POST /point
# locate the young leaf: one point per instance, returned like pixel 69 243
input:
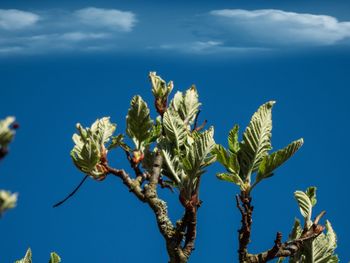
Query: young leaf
pixel 54 258
pixel 90 147
pixel 233 142
pixel 230 177
pixel 229 161
pixel 103 129
pixel 222 156
pixel 8 200
pixel 256 140
pixel 322 248
pixel 296 231
pixel 174 128
pixel 305 204
pixel 311 193
pixel 276 159
pixel 27 258
pixel 118 141
pixel 173 166
pixel 187 105
pixel 138 122
pixel 159 88
pixel 6 133
pixel 200 150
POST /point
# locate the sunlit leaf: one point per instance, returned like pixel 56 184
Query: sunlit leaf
pixel 256 140
pixel 276 159
pixel 138 122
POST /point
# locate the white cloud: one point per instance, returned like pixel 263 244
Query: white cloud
pixel 208 47
pixel 112 19
pixel 91 29
pixel 81 36
pixel 13 19
pixel 269 27
pixel 192 47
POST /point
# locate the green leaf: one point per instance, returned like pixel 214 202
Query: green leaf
pixel 159 88
pixel 54 258
pixel 200 150
pixel 173 165
pixel 90 147
pixel 230 177
pixel 276 159
pixel 138 122
pixel 322 248
pixel 256 140
pixel 296 231
pixel 174 128
pixel 6 132
pixel 305 204
pixel 118 141
pixel 233 142
pixel 229 161
pixel 187 105
pixel 27 258
pixel 103 129
pixel 222 156
pixel 311 193
pixel 8 201
pixel 155 133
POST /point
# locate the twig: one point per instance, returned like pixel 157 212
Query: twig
pixel 196 120
pixel 288 248
pixel 133 185
pixel 72 193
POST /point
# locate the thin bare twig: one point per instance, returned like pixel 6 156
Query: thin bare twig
pixel 73 192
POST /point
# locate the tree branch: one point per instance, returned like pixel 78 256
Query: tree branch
pixel 133 185
pixel 246 210
pixel 286 249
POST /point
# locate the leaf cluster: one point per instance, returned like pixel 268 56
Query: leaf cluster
pixel 320 249
pixel 90 147
pixel 251 155
pixel 54 258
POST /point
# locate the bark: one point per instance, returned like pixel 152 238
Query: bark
pixel 286 249
pixel 185 229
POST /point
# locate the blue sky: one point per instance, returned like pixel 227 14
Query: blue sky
pixel 63 63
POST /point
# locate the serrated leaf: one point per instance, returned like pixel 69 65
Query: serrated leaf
pixel 103 129
pixel 155 133
pixel 54 258
pixel 233 142
pixel 229 161
pixel 222 156
pixel 321 249
pixel 138 122
pixel 187 105
pixel 276 159
pixel 305 204
pixel 90 147
pixel 311 193
pixel 256 140
pixel 27 258
pixel 174 128
pixel 173 166
pixel 230 177
pixel 201 149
